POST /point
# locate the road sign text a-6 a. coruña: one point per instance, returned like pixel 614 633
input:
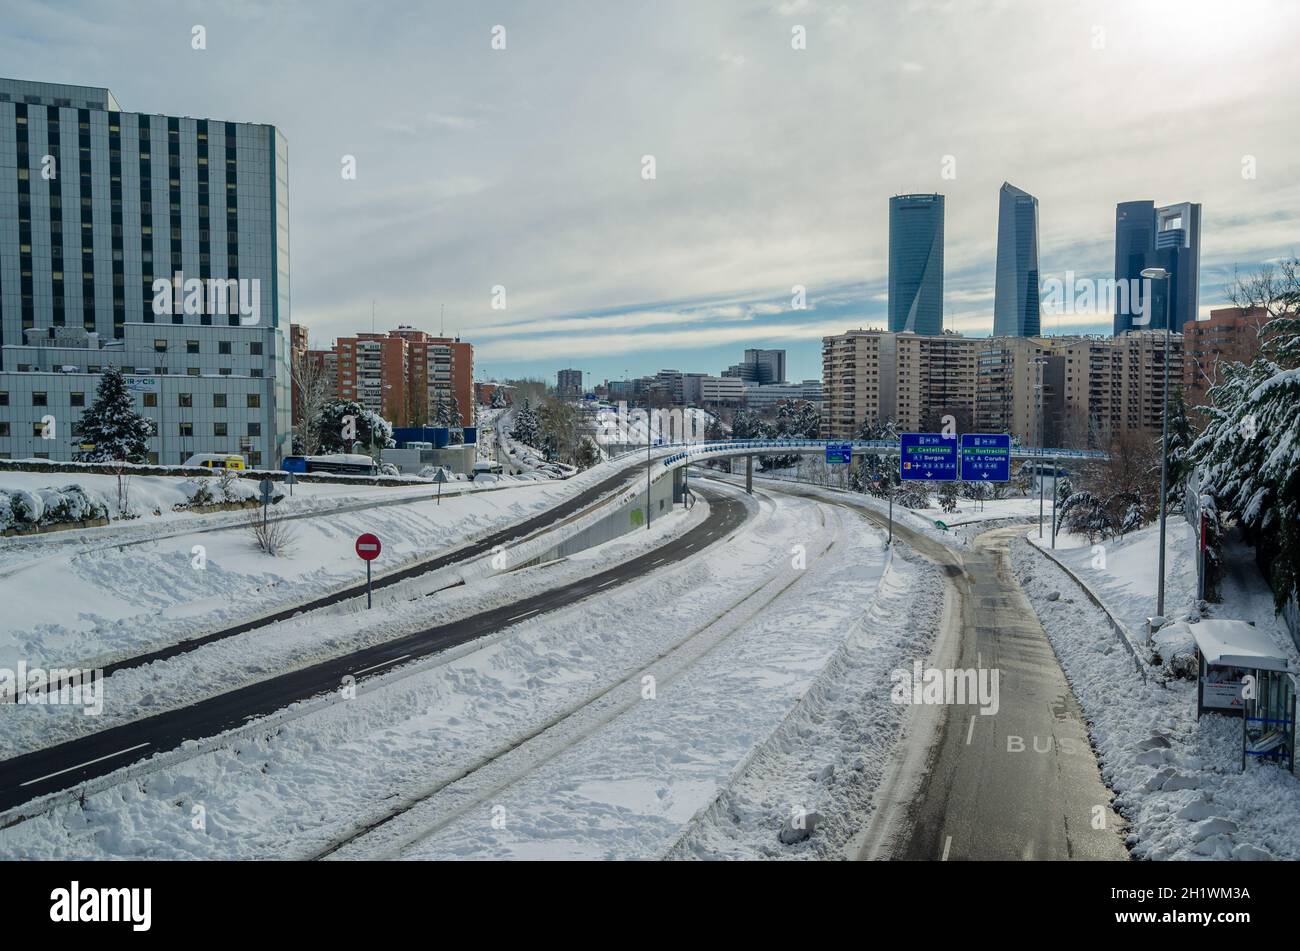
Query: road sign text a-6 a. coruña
pixel 986 457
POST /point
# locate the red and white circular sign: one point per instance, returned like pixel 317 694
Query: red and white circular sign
pixel 368 546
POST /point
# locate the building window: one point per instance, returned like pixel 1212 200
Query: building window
pixel 184 399
pixel 219 429
pixel 38 429
pixel 76 399
pixel 150 399
pixel 255 348
pixel 4 429
pixel 219 400
pixel 254 429
pixel 4 397
pixel 192 371
pixel 191 346
pixel 223 346
pixel 254 400
pixel 39 399
pixel 160 346
pixel 187 429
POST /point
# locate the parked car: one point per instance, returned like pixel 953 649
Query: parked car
pixel 217 460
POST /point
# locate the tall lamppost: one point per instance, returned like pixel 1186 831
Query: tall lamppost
pixel 1160 274
pixel 1041 363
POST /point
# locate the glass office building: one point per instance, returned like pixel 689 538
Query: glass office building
pixel 1016 294
pixel 1167 237
pixel 916 263
pixel 155 244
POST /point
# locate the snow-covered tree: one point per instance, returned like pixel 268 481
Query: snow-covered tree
pixel 1249 453
pixel 372 431
pixel 527 428
pixel 498 398
pixel 948 496
pixel 111 426
pixel 1181 436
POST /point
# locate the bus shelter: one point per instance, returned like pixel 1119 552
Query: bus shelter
pixel 1242 673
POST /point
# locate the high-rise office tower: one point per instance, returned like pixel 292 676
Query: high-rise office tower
pixel 916 263
pixel 1016 298
pixel 1167 237
pixel 155 244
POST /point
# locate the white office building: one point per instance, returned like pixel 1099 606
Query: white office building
pixel 156 244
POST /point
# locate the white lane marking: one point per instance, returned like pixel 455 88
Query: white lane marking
pixel 606 583
pixel 525 614
pixel 655 562
pixel 384 664
pixel 971 731
pixel 100 759
pixel 946 846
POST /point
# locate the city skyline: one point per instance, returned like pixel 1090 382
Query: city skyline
pixel 467 179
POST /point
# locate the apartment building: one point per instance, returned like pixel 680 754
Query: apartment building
pixel 1230 333
pixel 155 244
pixel 1045 391
pixel 935 378
pixel 404 374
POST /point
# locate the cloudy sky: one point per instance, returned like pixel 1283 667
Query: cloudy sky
pixel 523 167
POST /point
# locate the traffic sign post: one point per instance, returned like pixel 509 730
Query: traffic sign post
pixel 290 480
pixel 986 457
pixel 927 457
pixel 267 487
pixel 440 477
pixel 839 453
pixel 368 549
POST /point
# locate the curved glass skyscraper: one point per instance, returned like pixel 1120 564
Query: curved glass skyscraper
pixel 916 263
pixel 1015 298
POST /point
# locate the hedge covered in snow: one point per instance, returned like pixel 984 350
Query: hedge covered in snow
pixel 28 509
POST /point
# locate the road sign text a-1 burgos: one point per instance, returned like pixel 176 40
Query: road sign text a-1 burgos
pixel 927 457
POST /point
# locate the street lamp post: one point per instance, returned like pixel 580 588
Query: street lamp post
pixel 1160 274
pixel 1042 425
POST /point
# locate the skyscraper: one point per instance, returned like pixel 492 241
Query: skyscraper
pixel 1016 299
pixel 1167 237
pixel 916 263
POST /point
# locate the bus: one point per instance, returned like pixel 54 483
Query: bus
pixel 340 463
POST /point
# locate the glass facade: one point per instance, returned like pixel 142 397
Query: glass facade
pixel 1016 296
pixel 916 263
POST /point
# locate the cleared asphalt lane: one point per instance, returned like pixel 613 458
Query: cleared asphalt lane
pixel 1019 784
pixel 60 767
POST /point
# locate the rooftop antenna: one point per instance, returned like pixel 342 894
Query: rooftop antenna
pixel 372 316
pixel 442 320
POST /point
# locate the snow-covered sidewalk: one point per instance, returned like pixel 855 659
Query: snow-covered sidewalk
pixel 1177 779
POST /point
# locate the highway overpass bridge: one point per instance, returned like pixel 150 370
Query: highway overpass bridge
pixel 680 455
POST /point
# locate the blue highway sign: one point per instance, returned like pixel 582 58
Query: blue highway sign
pixel 986 457
pixel 928 457
pixel 839 453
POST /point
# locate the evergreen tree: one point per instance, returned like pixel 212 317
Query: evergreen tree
pixel 1180 465
pixel 111 426
pixel 372 431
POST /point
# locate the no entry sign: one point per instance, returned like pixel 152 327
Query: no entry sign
pixel 368 546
